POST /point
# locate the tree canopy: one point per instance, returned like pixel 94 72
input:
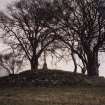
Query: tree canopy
pixel 35 26
pixel 27 27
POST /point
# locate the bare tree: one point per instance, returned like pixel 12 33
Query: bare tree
pixel 10 62
pixel 27 28
pixel 83 30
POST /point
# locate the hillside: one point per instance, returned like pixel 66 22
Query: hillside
pixel 51 87
pixel 49 78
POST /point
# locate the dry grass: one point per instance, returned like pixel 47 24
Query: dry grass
pixel 53 96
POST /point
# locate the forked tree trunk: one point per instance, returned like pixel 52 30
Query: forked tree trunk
pixel 92 66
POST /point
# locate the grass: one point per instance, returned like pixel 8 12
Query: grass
pixel 76 89
pixel 53 96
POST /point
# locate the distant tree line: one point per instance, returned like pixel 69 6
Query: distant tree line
pixel 33 27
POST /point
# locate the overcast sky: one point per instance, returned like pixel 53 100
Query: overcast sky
pixel 62 65
pixel 3 3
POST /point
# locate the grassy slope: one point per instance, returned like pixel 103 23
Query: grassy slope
pixel 53 96
pixel 60 95
pixel 49 78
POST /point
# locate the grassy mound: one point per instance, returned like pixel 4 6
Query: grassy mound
pixel 50 78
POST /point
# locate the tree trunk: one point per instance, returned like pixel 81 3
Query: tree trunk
pixel 45 66
pixel 34 64
pixel 74 61
pixel 45 63
pixel 92 66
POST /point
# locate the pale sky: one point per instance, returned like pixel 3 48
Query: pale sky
pixel 61 65
pixel 3 3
